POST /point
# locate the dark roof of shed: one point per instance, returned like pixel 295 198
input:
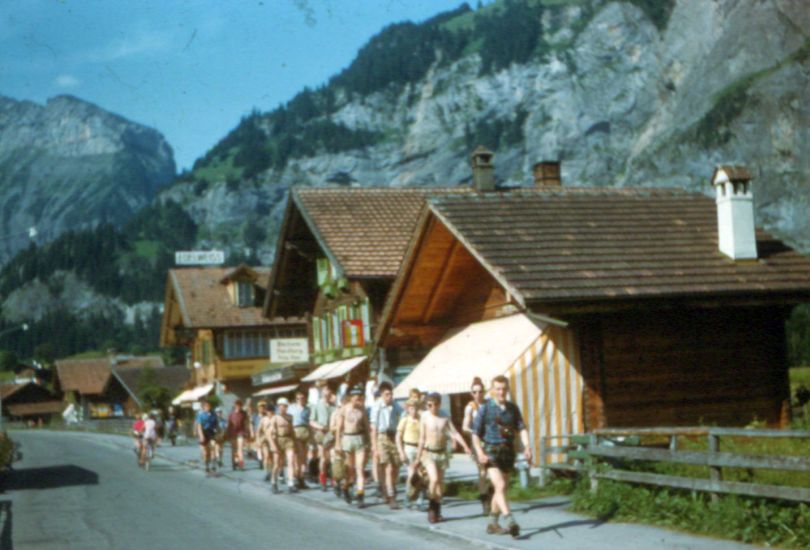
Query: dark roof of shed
pixel 173 378
pixel 365 230
pixel 578 244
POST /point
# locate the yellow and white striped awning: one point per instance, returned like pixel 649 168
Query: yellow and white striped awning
pixel 540 360
pixel 334 369
pixel 194 394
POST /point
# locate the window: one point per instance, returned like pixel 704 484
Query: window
pixel 243 344
pixel 244 294
pixel 206 352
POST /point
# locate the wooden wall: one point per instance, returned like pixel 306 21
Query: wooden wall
pixel 685 367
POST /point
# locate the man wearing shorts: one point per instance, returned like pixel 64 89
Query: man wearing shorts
pixel 319 423
pixel 408 443
pixel 340 476
pixel 300 417
pixel 494 431
pixel 385 415
pixel 435 432
pixel 352 432
pixel 262 443
pixel 470 412
pixel 238 431
pixel 207 425
pixel 282 443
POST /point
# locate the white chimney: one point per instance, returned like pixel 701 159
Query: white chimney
pixel 735 212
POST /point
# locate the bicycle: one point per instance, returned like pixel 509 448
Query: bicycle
pixel 148 453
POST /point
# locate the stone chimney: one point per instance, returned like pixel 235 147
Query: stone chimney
pixel 547 173
pixel 483 169
pixel 735 212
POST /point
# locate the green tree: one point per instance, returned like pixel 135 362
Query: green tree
pixel 151 393
pixel 8 360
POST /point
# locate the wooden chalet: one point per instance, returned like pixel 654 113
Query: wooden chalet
pixel 29 401
pixel 605 307
pixel 216 314
pixel 90 386
pixel 338 252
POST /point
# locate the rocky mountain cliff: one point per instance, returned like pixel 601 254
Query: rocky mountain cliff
pixel 69 164
pixel 624 93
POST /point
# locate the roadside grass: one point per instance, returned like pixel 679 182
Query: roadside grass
pixel 799 376
pixel 468 490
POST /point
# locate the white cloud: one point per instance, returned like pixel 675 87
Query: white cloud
pixel 139 42
pixel 66 81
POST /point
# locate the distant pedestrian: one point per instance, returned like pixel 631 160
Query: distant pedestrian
pixel 262 443
pixel 319 422
pixel 219 440
pixel 237 432
pixel 408 444
pixel 341 476
pixel 353 438
pixel 385 415
pixel 282 443
pixel 435 432
pixel 470 413
pixel 495 430
pixel 300 417
pixel 206 427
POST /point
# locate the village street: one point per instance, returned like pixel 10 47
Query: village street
pixel 80 490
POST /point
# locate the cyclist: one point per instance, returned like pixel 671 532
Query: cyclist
pixel 149 436
pixel 137 435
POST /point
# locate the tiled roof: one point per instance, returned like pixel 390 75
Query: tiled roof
pixel 576 244
pixel 7 390
pixel 140 361
pixel 366 230
pixel 43 407
pixel 172 378
pixel 205 302
pixel 86 376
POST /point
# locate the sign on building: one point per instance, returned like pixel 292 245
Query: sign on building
pixel 199 257
pixel 289 350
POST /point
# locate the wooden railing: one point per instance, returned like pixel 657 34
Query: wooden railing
pixel 592 452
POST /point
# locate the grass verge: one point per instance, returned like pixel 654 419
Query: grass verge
pixel 468 490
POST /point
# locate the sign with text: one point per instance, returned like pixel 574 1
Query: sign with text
pixel 199 257
pixel 289 350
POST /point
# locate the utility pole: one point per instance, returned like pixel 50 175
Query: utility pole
pixel 6 332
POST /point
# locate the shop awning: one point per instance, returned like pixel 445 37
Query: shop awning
pixel 334 369
pixel 276 391
pixel 194 394
pixel 486 349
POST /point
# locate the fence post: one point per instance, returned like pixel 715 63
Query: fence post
pixel 593 441
pixel 543 462
pixel 673 442
pixel 715 472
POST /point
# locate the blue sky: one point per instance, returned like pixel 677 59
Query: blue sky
pixel 190 69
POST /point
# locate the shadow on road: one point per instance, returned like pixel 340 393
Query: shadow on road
pixel 5 520
pixel 50 477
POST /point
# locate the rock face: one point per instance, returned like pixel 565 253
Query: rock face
pixel 619 100
pixel 69 165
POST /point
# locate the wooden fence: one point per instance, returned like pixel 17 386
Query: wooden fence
pixel 593 452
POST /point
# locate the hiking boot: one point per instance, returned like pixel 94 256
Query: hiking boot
pixel 275 489
pixel 514 530
pixel 337 490
pixel 439 516
pixel 347 495
pixel 432 513
pixel 393 504
pixel 290 490
pixel 361 500
pixel 267 477
pixel 495 529
pixel 486 501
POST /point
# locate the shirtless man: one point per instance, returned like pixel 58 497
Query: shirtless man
pixel 385 415
pixel 337 459
pixel 435 430
pixel 494 430
pixel 262 441
pixel 319 422
pixel 470 412
pixel 352 439
pixel 282 443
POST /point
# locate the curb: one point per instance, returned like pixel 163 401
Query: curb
pixel 389 520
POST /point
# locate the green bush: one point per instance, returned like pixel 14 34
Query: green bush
pixel 6 451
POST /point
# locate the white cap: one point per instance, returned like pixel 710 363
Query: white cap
pixel 282 401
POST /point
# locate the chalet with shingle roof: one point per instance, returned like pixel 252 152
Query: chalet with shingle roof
pixel 605 307
pixel 28 401
pixel 338 252
pixel 216 314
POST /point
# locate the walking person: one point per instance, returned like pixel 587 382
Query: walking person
pixel 237 432
pixel 319 422
pixel 385 416
pixel 495 430
pixel 341 478
pixel 282 443
pixel 435 433
pixel 408 444
pixel 219 440
pixel 206 427
pixel 352 439
pixel 470 413
pixel 300 417
pixel 261 439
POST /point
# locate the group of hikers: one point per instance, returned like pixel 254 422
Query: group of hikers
pixel 331 443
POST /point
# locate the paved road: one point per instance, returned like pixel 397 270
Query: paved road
pixel 75 490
